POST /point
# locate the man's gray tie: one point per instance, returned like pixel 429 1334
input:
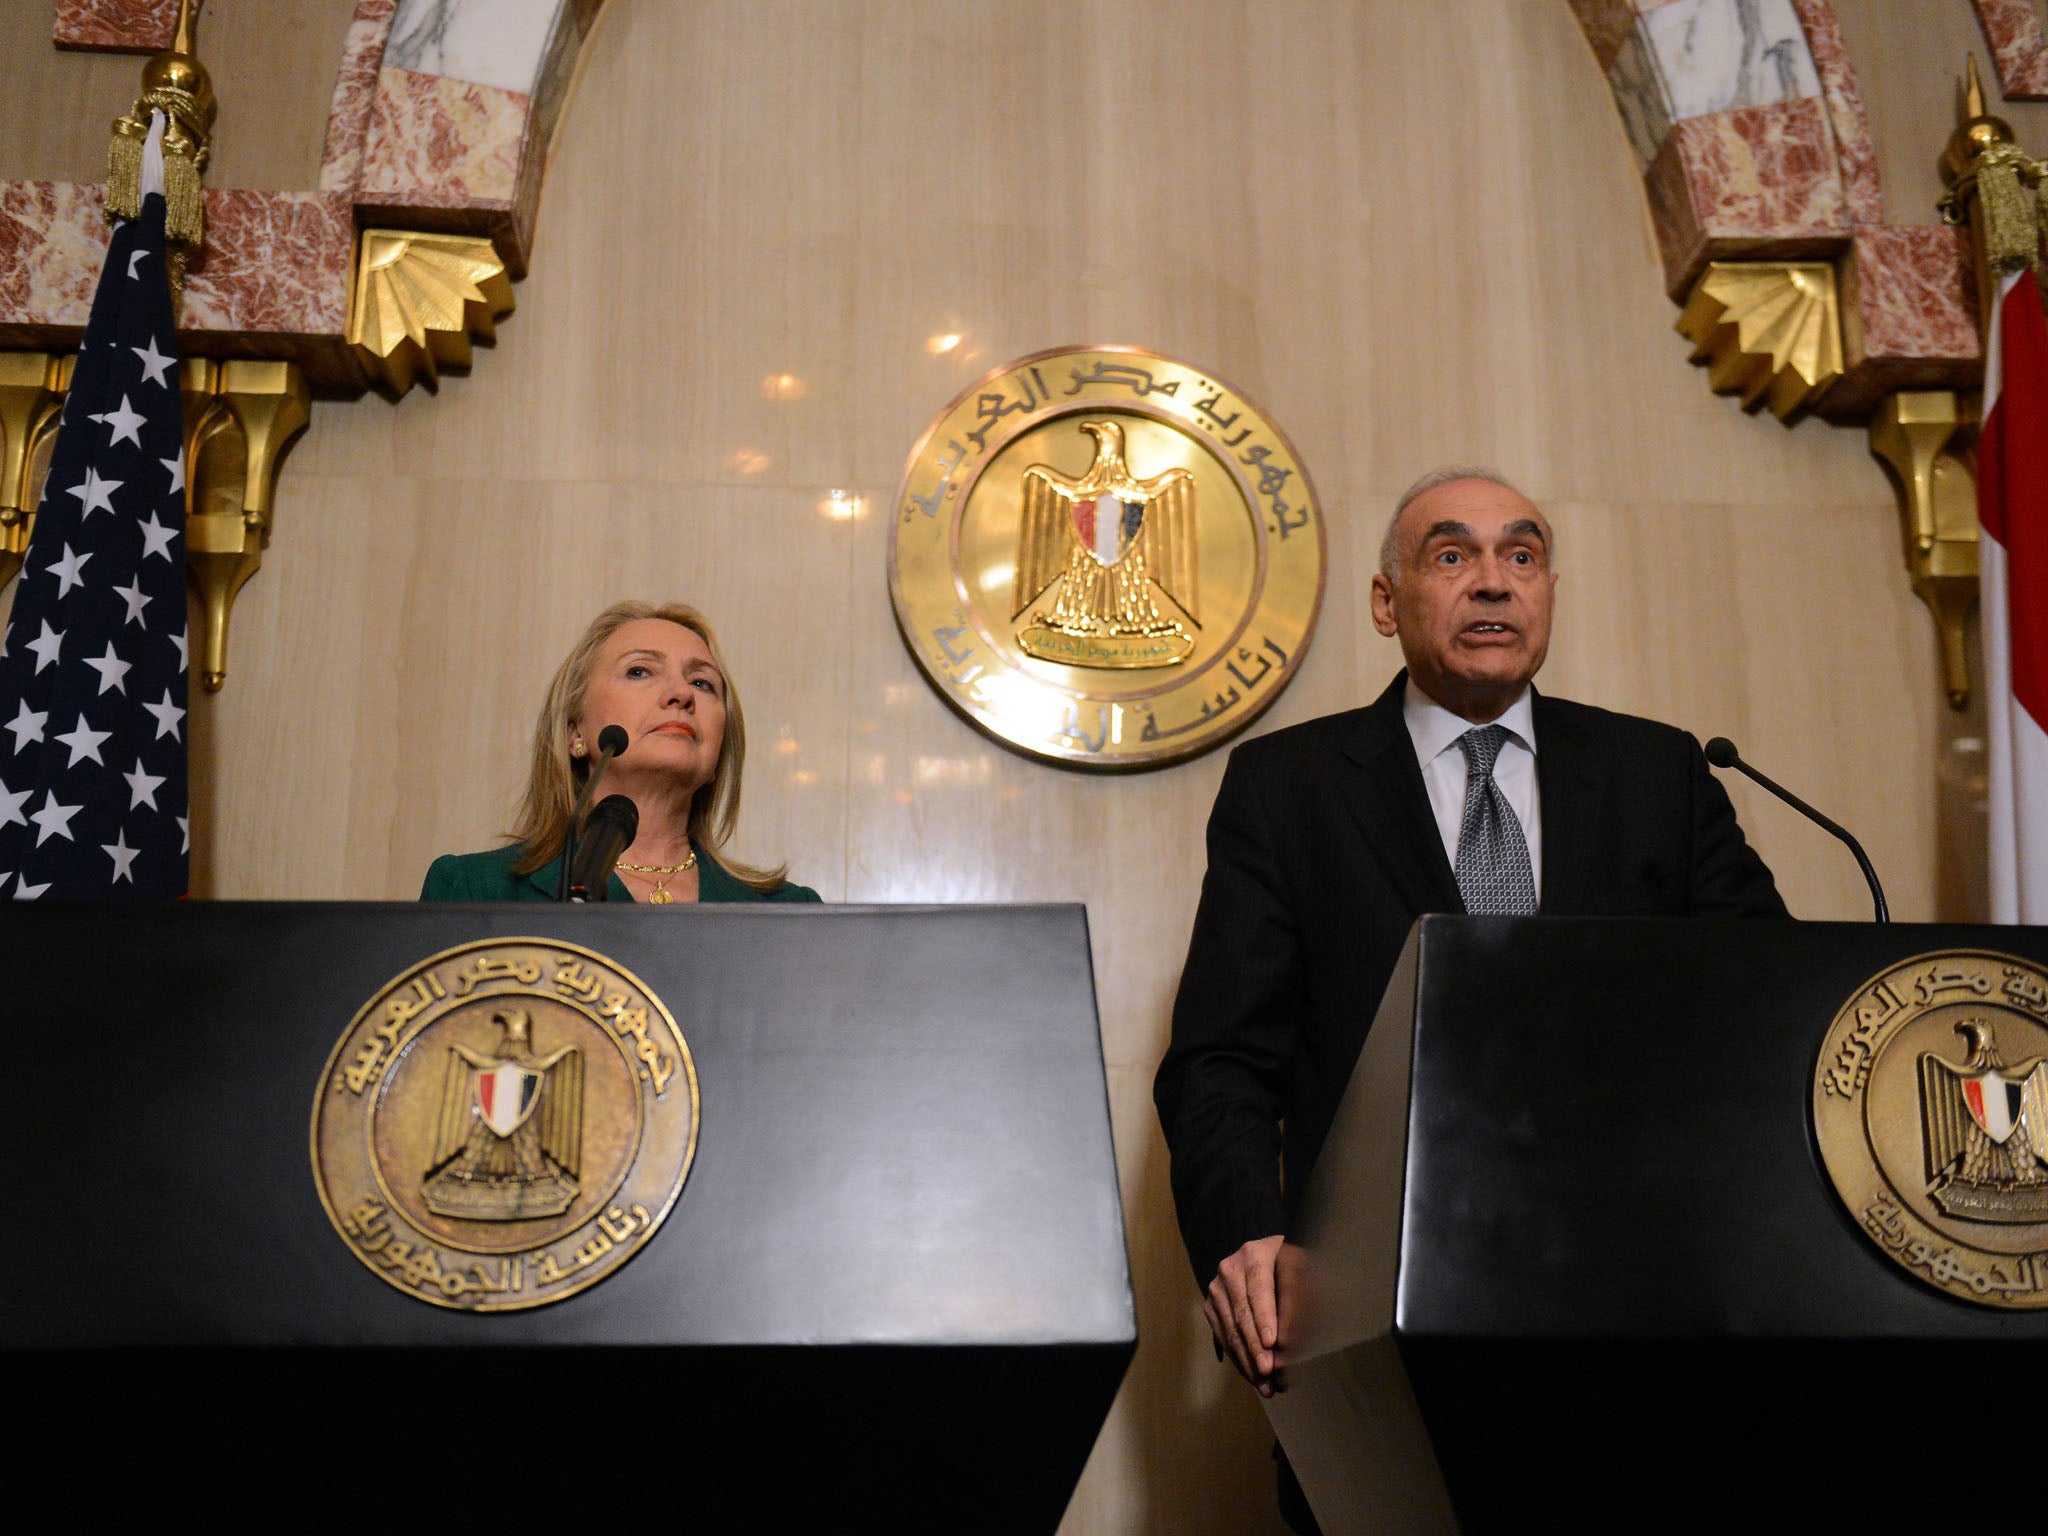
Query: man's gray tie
pixel 1493 871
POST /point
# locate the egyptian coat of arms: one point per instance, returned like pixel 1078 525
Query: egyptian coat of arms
pixel 510 1132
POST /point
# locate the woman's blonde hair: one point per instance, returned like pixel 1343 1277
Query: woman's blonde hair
pixel 554 777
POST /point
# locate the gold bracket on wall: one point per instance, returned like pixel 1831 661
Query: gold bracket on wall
pixel 419 298
pixel 1769 331
pixel 32 386
pixel 239 416
pixel 1926 437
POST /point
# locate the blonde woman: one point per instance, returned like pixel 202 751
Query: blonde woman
pixel 653 670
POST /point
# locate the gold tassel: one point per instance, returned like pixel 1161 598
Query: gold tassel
pixel 2006 214
pixel 184 209
pixel 124 170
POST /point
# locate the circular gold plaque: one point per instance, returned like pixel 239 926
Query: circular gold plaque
pixel 1930 1103
pixel 1106 558
pixel 505 1124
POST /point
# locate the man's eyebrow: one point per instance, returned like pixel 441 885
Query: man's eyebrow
pixel 1447 529
pixel 1522 527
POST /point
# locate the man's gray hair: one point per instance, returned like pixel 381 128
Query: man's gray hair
pixel 1390 548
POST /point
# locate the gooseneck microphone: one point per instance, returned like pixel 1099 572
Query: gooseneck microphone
pixel 611 741
pixel 1722 754
pixel 608 833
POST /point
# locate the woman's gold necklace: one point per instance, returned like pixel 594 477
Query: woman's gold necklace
pixel 661 872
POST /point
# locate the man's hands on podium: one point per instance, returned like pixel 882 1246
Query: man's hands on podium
pixel 1243 1309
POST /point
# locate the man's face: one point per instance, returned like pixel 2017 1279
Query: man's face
pixel 1473 601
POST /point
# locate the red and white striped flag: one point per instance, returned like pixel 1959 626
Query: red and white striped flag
pixel 2012 503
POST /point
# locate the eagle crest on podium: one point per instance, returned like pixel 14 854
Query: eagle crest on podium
pixel 510 1133
pixel 1986 1131
pixel 1100 544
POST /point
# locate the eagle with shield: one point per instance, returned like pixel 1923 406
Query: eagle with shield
pixel 509 1138
pixel 1986 1131
pixel 1100 544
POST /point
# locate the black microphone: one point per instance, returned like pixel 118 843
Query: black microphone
pixel 1722 754
pixel 611 741
pixel 608 833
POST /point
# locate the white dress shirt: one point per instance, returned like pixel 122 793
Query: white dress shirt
pixel 1435 732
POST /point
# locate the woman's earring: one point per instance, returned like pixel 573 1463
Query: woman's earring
pixel 576 748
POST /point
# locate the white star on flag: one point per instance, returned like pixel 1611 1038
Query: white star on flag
pixel 156 538
pixel 133 258
pixel 124 423
pixel 142 788
pixel 46 645
pixel 167 717
pixel 178 640
pixel 185 835
pixel 97 495
pixel 27 725
pixel 53 820
pixel 10 807
pixel 30 892
pixel 111 669
pixel 135 598
pixel 177 468
pixel 122 855
pixel 83 741
pixel 156 366
pixel 67 571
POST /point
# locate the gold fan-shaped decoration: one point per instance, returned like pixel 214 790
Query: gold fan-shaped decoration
pixel 420 298
pixel 1769 331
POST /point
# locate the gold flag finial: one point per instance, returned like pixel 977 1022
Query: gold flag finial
pixel 176 84
pixel 1973 89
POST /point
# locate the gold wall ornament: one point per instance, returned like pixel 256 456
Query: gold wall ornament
pixel 1925 437
pixel 1930 1105
pixel 239 416
pixel 418 300
pixel 1105 558
pixel 1769 331
pixel 32 388
pixel 504 1124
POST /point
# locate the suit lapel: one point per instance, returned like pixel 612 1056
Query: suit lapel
pixel 1386 797
pixel 1569 793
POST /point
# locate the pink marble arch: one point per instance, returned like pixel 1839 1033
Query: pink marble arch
pixel 2013 29
pixel 402 148
pixel 115 26
pixel 1799 180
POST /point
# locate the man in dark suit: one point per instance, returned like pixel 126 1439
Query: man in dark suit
pixel 1459 790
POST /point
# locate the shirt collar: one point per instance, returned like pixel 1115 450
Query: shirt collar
pixel 1435 729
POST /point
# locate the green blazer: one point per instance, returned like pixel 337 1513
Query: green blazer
pixel 488 877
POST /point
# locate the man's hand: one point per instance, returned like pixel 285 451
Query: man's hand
pixel 1243 1310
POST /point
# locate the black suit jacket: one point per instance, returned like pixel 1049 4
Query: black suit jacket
pixel 1322 854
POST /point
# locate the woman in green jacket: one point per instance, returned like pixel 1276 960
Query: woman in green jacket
pixel 655 671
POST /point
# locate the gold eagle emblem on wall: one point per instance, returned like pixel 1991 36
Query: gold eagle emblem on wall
pixel 1100 545
pixel 509 1137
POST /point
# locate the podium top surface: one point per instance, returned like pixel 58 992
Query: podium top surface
pixel 904 1133
pixel 1609 1132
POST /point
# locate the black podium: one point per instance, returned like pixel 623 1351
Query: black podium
pixel 1571 1260
pixel 893 1293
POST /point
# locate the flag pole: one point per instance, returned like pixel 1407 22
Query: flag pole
pixel 177 85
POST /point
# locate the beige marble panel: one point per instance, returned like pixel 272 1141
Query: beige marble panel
pixel 1414 233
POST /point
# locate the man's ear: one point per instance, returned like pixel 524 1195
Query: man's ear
pixel 1383 605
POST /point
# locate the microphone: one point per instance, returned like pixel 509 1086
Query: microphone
pixel 1722 754
pixel 607 834
pixel 611 741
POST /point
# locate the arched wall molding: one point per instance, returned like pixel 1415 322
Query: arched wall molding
pixel 433 127
pixel 1756 145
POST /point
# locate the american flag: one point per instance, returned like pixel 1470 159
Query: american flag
pixel 93 664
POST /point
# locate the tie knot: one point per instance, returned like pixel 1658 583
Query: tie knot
pixel 1482 746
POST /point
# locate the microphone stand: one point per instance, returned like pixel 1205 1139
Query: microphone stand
pixel 611 741
pixel 1722 754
